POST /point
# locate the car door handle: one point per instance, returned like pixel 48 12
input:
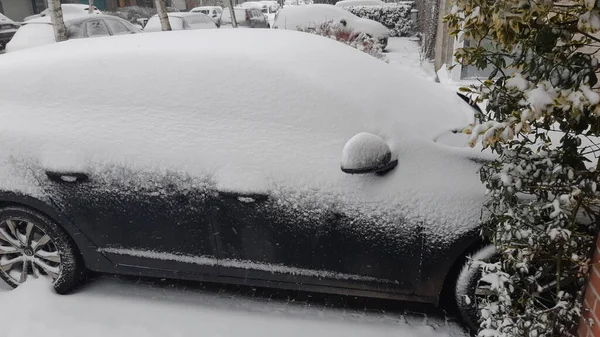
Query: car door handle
pixel 245 197
pixel 67 177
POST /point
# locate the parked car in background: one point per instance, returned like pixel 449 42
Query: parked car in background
pixel 68 10
pixel 39 31
pixel 269 10
pixel 348 3
pixel 213 11
pixel 312 15
pixel 182 21
pixel 8 28
pixel 245 17
pixel 342 191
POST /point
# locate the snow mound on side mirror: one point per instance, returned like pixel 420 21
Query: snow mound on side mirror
pixel 364 150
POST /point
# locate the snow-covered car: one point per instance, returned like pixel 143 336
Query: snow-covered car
pixel 213 11
pixel 348 3
pixel 312 15
pixel 245 17
pixel 8 28
pixel 68 9
pixel 332 187
pixel 38 32
pixel 182 21
pixel 268 9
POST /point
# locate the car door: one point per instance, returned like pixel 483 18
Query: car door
pixel 138 217
pixel 303 230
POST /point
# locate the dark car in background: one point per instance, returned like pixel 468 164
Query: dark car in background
pixel 245 17
pixel 8 28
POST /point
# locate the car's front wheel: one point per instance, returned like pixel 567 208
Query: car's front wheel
pixel 470 289
pixel 33 246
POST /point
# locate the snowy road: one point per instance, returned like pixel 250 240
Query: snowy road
pixel 111 307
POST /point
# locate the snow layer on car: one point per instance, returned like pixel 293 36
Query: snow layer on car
pixel 348 3
pixel 241 264
pixel 312 15
pixel 275 115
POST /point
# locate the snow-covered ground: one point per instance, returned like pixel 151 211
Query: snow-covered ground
pixel 403 52
pixel 111 307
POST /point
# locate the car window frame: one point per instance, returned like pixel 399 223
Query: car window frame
pixel 110 30
pixel 85 27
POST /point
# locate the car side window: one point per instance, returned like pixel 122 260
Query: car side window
pixel 96 28
pixel 116 27
pixel 195 20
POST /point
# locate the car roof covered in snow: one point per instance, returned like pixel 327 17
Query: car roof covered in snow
pixel 293 57
pixel 71 18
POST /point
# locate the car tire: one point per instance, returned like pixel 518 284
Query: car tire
pixel 43 249
pixel 467 284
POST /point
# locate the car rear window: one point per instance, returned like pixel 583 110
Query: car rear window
pixel 240 15
pixel 154 25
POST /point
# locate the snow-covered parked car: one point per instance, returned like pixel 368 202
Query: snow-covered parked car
pixel 68 9
pixel 267 9
pixel 312 15
pixel 8 28
pixel 331 187
pixel 38 32
pixel 182 21
pixel 213 11
pixel 348 3
pixel 245 17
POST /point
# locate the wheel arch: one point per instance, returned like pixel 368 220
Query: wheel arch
pixel 92 259
pixel 440 267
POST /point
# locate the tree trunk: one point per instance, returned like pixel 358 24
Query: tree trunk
pixel 233 19
pixel 161 10
pixel 91 7
pixel 56 16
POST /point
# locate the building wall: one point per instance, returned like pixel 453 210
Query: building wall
pixel 17 10
pixel 444 43
pixel 590 314
pixel 428 21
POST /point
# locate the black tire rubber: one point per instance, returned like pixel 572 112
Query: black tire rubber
pixel 466 284
pixel 72 270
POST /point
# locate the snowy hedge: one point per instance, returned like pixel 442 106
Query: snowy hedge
pixel 396 16
pixel 360 41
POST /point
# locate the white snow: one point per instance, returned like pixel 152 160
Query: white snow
pixel 313 15
pixel 320 93
pixel 154 25
pixel 364 150
pixel 348 3
pixel 124 308
pixel 231 263
pixel 30 35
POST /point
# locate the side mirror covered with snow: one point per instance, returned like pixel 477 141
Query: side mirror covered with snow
pixel 367 153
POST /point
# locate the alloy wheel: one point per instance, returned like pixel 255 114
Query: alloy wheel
pixel 27 251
